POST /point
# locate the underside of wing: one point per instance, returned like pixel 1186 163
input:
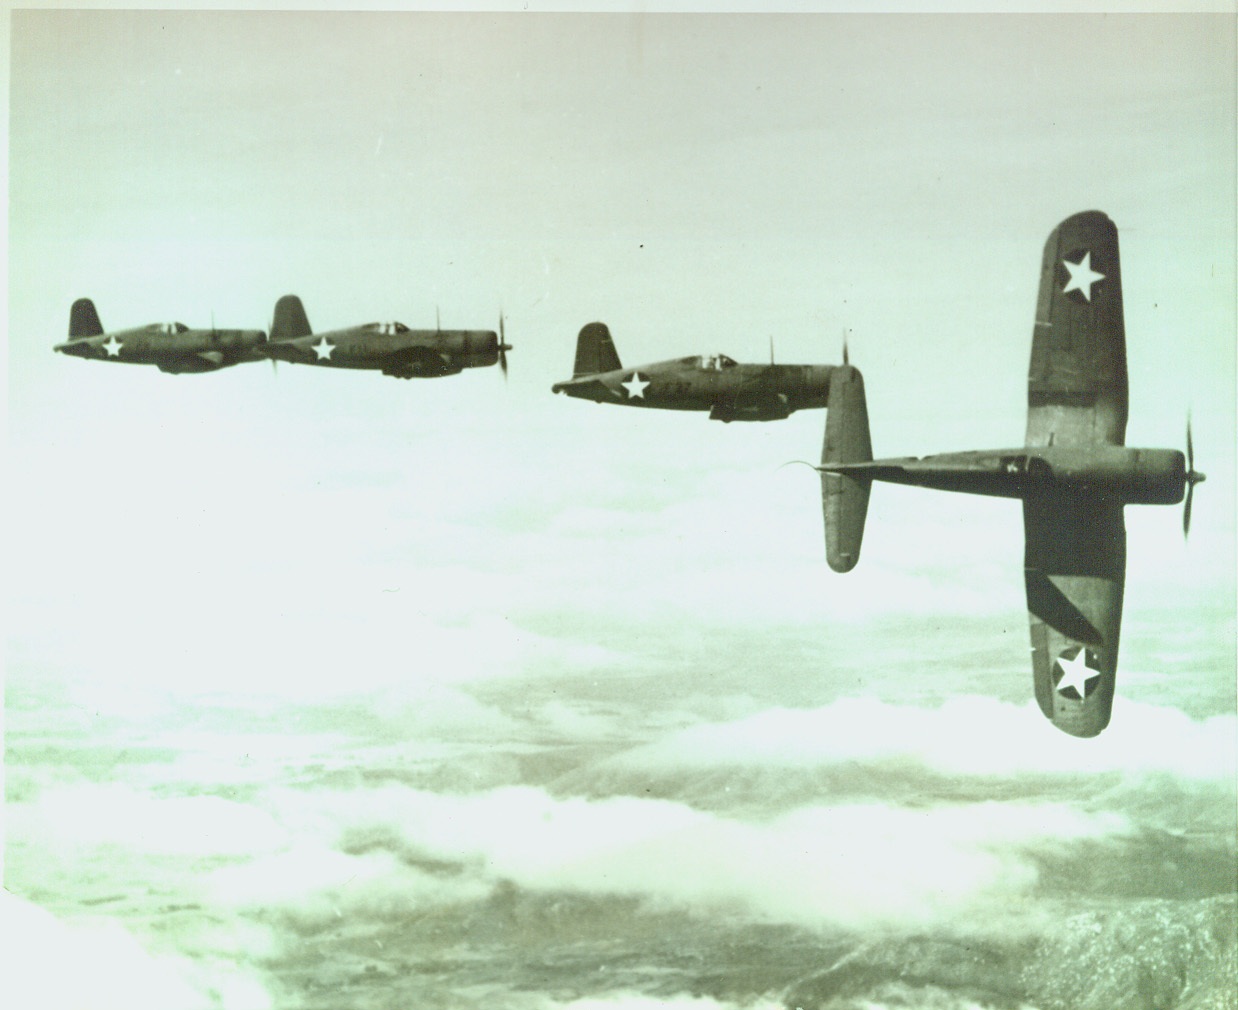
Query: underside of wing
pixel 420 362
pixel 764 406
pixel 1076 385
pixel 1075 570
pixel 201 361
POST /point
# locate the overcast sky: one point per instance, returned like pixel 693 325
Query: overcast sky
pixel 699 183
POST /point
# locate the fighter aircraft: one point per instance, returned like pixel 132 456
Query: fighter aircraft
pixel 1074 474
pixel 730 391
pixel 390 347
pixel 173 347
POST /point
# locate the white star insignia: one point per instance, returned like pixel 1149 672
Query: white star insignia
pixel 635 386
pixel 112 347
pixel 1076 673
pixel 323 349
pixel 1082 276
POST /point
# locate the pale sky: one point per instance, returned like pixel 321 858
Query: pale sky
pixel 699 183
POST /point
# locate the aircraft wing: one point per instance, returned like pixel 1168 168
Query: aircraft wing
pixel 418 360
pixel 1076 385
pixel 1075 570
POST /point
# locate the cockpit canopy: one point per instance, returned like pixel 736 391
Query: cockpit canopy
pixel 168 328
pixel 386 329
pixel 711 362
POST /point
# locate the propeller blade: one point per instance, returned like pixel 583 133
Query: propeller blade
pixel 1192 477
pixel 846 357
pixel 503 348
pixel 266 340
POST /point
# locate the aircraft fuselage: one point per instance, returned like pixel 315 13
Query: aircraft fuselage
pixel 730 392
pixel 404 353
pixel 173 347
pixel 1122 475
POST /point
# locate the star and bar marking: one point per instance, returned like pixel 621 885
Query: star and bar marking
pixel 1082 276
pixel 323 349
pixel 112 347
pixel 1077 672
pixel 635 386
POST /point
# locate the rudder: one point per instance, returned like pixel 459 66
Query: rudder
pixel 290 320
pixel 84 320
pixel 595 351
pixel 844 497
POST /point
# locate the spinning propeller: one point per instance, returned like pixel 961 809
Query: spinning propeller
pixel 271 358
pixel 504 347
pixel 1191 477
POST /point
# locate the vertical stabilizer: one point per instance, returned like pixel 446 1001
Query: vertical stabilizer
pixel 595 351
pixel 844 497
pixel 290 320
pixel 84 320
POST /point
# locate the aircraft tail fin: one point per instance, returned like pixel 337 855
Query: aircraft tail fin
pixel 84 320
pixel 844 495
pixel 595 351
pixel 290 320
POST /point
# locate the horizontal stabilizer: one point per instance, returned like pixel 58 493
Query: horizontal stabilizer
pixel 84 320
pixel 595 351
pixel 290 321
pixel 844 496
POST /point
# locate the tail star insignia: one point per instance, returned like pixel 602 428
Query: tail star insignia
pixel 323 349
pixel 635 386
pixel 113 347
pixel 1076 672
pixel 1082 276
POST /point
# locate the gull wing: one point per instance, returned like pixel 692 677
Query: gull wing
pixel 1075 546
pixel 419 361
pixel 1076 384
pixel 1074 569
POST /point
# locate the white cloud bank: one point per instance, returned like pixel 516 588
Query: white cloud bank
pixel 52 964
pixel 972 736
pixel 852 865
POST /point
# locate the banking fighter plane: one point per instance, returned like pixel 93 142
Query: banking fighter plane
pixel 1074 474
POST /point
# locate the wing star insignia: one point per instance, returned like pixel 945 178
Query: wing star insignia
pixel 112 347
pixel 1082 276
pixel 323 349
pixel 1076 672
pixel 635 386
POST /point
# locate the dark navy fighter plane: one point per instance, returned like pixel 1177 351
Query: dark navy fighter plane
pixel 730 391
pixel 1074 474
pixel 392 348
pixel 172 347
